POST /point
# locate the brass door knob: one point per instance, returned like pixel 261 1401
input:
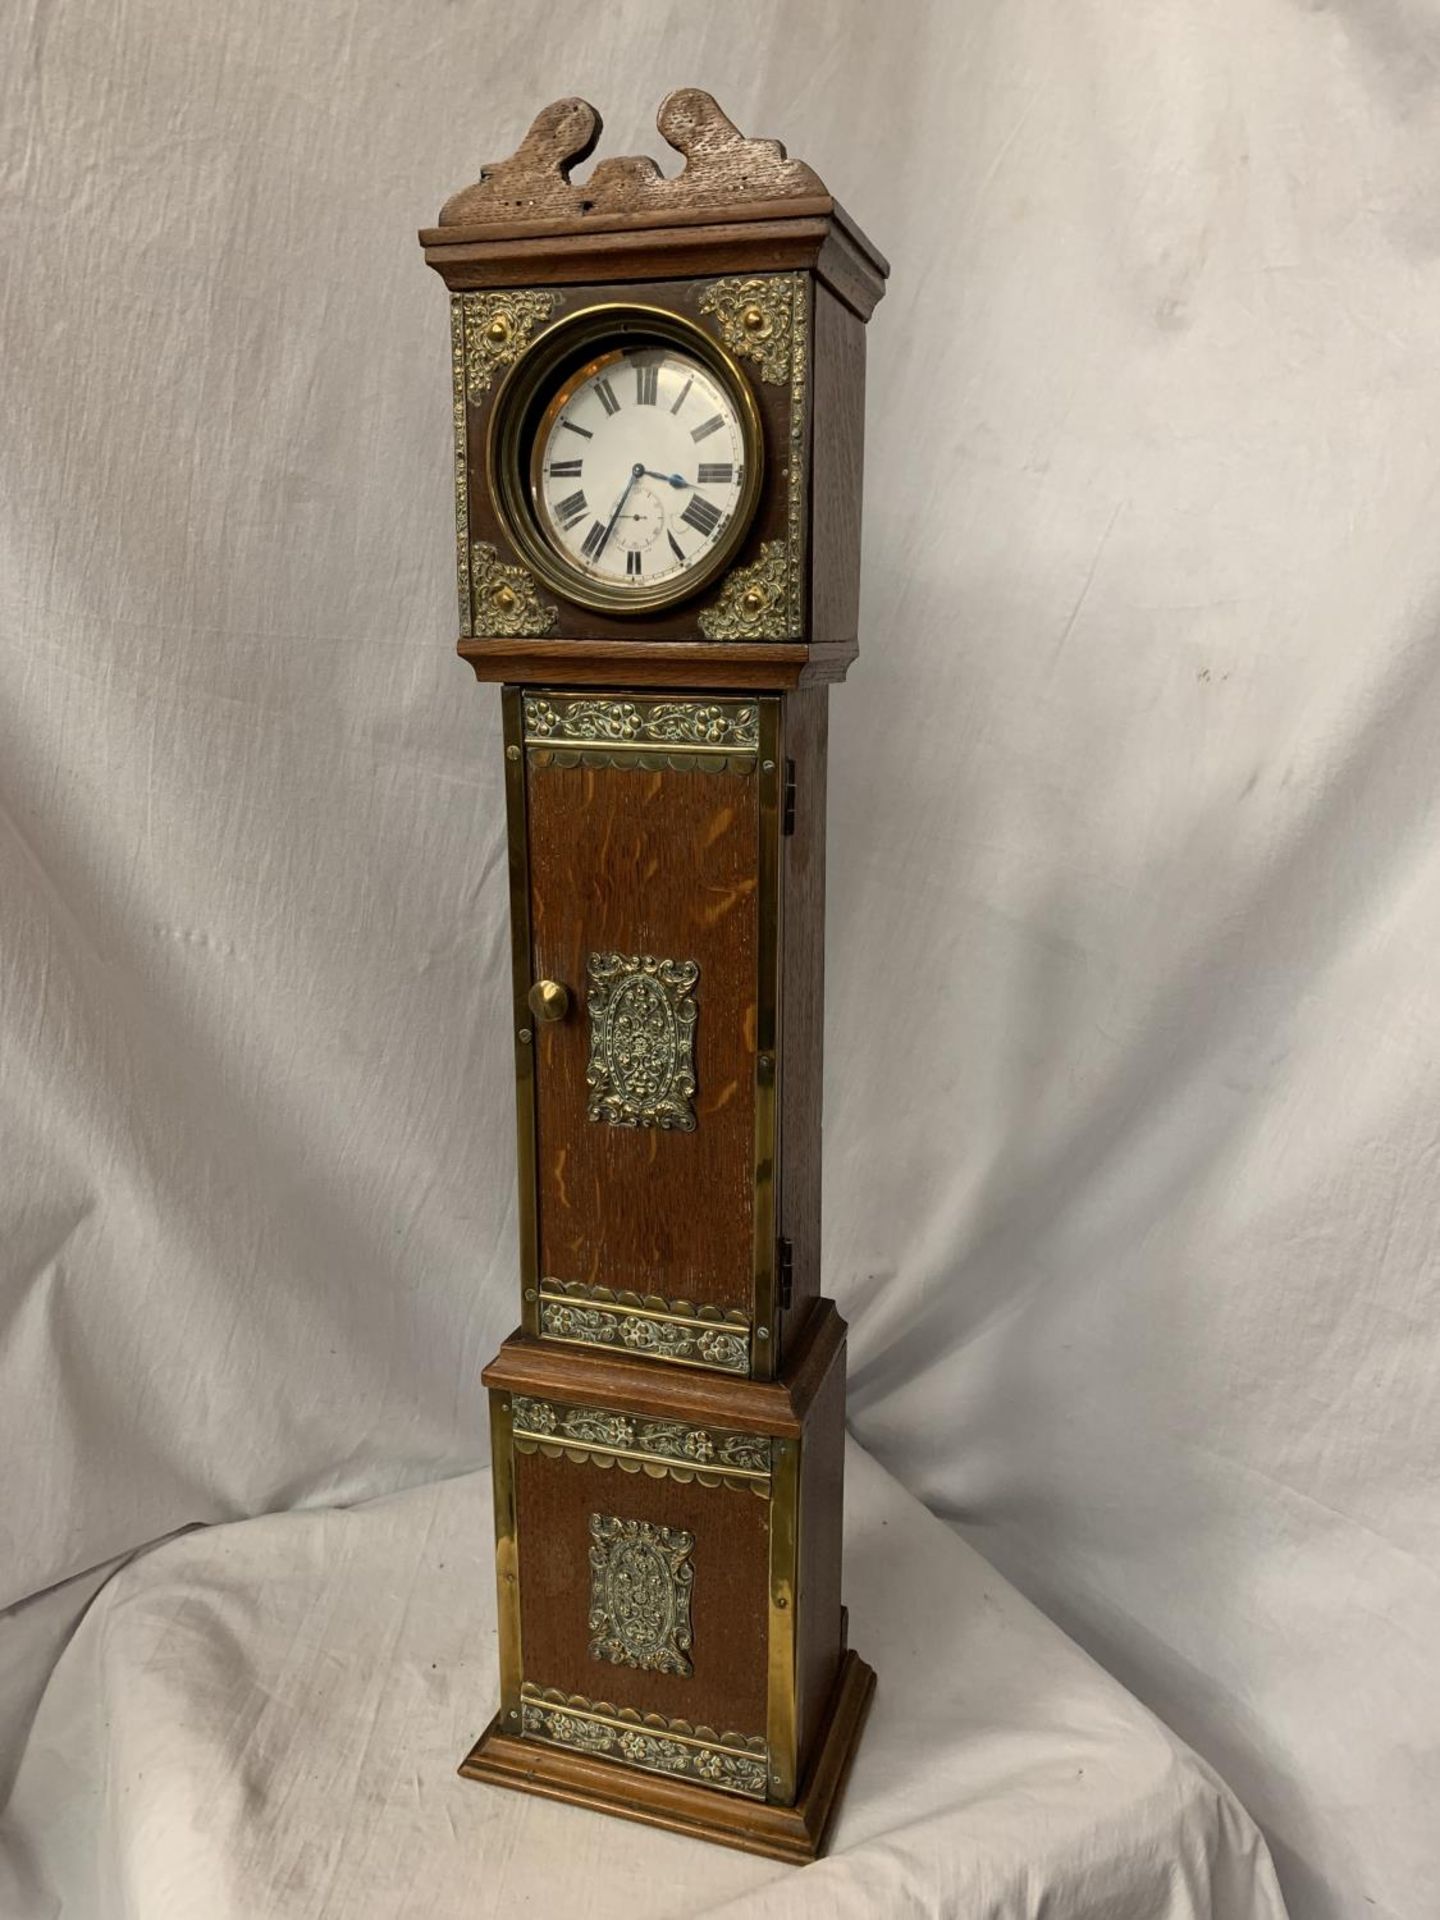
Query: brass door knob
pixel 549 1000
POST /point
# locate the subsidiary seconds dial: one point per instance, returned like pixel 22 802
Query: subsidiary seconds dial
pixel 639 467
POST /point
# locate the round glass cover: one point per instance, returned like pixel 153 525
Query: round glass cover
pixel 625 454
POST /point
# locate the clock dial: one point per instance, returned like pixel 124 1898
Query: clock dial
pixel 638 470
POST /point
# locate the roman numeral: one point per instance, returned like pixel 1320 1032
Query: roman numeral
pixel 584 432
pixel 675 547
pixel 702 516
pixel 606 396
pixel 707 426
pixel 570 469
pixel 594 540
pixel 719 474
pixel 647 385
pixel 632 566
pixel 683 392
pixel 574 507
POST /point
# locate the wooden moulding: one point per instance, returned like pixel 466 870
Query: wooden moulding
pixel 550 1371
pixel 794 1834
pixel 737 202
pixel 714 666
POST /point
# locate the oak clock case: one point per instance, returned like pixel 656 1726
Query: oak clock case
pixel 658 390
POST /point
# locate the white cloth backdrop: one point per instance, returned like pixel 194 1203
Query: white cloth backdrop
pixel 1132 1120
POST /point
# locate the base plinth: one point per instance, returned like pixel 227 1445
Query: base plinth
pixel 794 1834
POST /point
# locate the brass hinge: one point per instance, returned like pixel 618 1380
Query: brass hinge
pixel 787 809
pixel 784 1274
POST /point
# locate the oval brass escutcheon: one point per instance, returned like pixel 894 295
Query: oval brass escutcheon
pixel 549 1000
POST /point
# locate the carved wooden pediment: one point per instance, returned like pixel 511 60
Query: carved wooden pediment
pixel 723 172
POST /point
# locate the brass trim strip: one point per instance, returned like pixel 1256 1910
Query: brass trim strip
pixel 765 1358
pixel 729 1762
pixel 462 464
pixel 518 852
pixel 781 1708
pixel 797 514
pixel 640 759
pixel 507 1560
pixel 578 744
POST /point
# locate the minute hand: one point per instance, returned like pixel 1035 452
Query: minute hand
pixel 635 473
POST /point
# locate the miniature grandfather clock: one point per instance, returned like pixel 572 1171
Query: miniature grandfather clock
pixel 659 404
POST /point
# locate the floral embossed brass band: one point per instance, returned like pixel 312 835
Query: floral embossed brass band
pixel 637 1444
pixel 462 464
pixel 732 1762
pixel 641 1071
pixel 709 736
pixel 672 1330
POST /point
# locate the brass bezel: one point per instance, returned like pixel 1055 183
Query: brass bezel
pixel 508 465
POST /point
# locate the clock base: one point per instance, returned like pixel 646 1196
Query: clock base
pixel 794 1834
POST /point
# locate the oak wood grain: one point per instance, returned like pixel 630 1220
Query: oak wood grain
pixel 660 863
pixel 836 469
pixel 819 1616
pixel 729 1595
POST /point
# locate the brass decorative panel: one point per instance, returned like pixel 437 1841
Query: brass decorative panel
pixel 751 602
pixel 640 1581
pixel 754 319
pixel 642 1040
pixel 636 1444
pixel 732 1762
pixel 506 603
pixel 683 736
pixel 498 327
pixel 674 1330
pixel 766 318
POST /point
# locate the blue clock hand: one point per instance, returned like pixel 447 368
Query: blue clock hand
pixel 674 479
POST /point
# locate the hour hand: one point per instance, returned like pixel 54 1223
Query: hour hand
pixel 673 479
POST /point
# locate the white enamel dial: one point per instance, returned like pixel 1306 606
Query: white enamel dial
pixel 639 467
